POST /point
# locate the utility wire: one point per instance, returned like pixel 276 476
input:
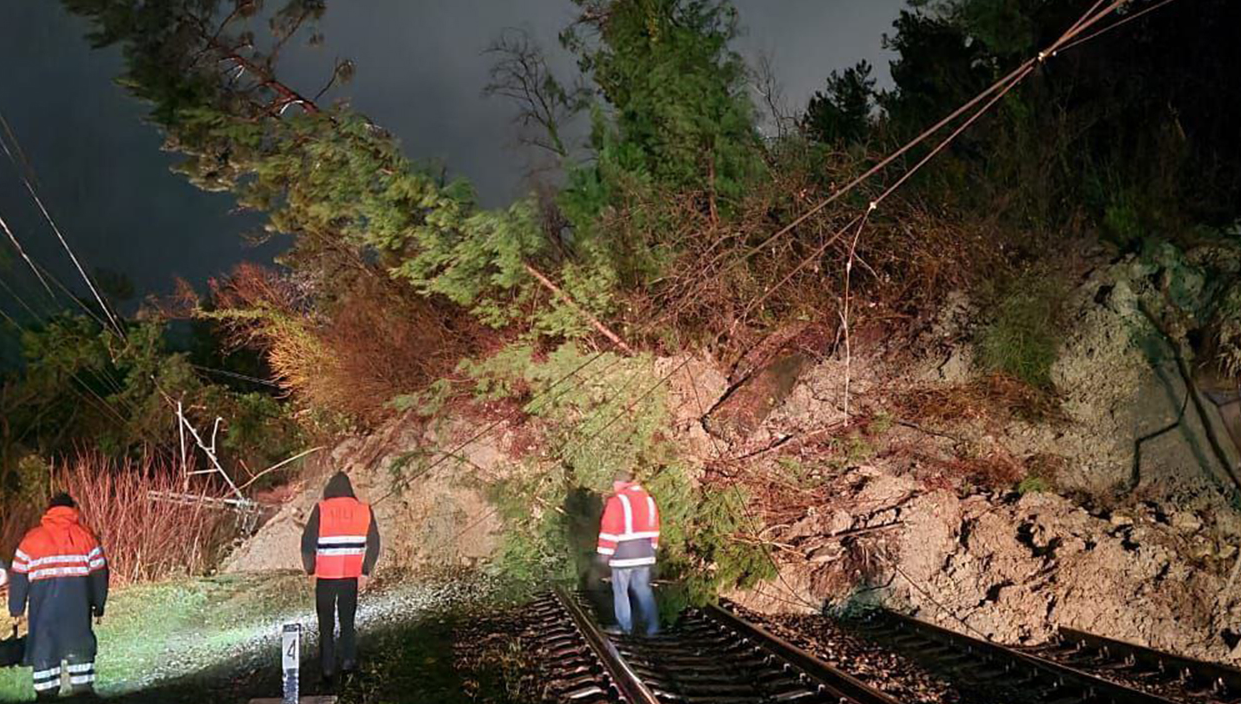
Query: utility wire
pixel 1081 25
pixel 1004 84
pixel 236 375
pixel 21 301
pixel 102 374
pixel 43 320
pixel 26 175
pixel 98 400
pixel 22 253
pixel 73 297
pixel 1114 25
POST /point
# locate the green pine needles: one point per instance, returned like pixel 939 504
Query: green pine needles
pixel 610 416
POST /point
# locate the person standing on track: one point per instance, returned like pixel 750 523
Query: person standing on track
pixel 339 548
pixel 628 540
pixel 60 576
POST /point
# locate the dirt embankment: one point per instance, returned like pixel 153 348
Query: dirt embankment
pixel 429 516
pixel 1129 530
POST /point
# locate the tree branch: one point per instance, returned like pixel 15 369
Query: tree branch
pixel 546 282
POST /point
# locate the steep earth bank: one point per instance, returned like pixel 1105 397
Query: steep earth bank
pixel 938 492
pixel 1116 516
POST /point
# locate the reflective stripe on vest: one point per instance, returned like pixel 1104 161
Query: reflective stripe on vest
pixel 343 525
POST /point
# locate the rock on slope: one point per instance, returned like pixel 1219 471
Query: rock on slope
pixel 1137 543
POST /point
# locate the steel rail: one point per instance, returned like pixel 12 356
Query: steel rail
pixel 1221 680
pixel 834 681
pixel 1095 686
pixel 712 655
pixel 624 679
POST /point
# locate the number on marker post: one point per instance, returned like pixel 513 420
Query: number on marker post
pixel 290 661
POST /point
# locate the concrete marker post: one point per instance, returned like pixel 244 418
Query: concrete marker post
pixel 290 670
pixel 290 660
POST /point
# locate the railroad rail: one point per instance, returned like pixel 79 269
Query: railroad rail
pixel 1173 676
pixel 712 656
pixel 1078 669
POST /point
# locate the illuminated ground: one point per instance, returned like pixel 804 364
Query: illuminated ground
pixel 217 640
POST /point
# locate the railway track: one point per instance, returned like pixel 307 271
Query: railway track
pixel 1077 668
pixel 1177 678
pixel 711 657
pixel 714 656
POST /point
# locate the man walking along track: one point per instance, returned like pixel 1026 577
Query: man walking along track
pixel 628 540
pixel 339 548
pixel 59 573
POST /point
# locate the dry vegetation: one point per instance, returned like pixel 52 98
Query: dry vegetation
pixel 736 282
pixel 380 343
pixel 145 539
pixel 993 400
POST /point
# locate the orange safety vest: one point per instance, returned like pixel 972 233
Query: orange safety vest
pixel 629 528
pixel 343 525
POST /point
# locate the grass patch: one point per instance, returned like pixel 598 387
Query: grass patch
pixel 1033 485
pixel 1023 338
pixel 423 664
pixel 207 640
pixel 148 627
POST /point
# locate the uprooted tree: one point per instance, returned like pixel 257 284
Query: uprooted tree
pixel 661 238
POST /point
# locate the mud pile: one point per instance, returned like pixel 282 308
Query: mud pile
pixel 432 517
pixel 1134 537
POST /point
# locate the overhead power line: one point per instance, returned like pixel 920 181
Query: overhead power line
pixel 21 252
pixel 1115 25
pixel 987 97
pixel 26 172
pixel 97 400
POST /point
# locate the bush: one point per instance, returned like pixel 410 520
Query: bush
pixel 1023 338
pixel 607 418
pixel 144 539
pixel 381 342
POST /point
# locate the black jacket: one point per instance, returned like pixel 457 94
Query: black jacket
pixel 338 486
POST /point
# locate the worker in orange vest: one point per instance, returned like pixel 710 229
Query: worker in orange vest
pixel 628 541
pixel 60 578
pixel 339 548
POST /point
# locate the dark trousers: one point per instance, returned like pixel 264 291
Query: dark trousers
pixel 333 597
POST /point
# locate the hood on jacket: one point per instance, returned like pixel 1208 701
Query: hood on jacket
pixel 338 486
pixel 61 515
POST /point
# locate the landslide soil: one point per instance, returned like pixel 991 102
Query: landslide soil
pixel 1110 514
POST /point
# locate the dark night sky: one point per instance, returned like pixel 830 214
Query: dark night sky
pixel 420 74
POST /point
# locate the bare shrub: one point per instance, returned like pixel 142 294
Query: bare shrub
pixel 378 341
pixel 735 280
pixel 144 539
